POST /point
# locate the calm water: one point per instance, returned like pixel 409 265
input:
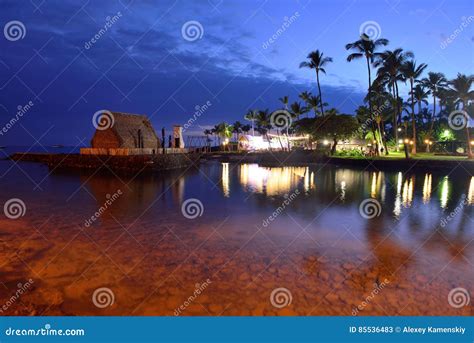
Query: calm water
pixel 295 231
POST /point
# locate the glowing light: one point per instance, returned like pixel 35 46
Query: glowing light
pixel 427 188
pixel 274 181
pixel 444 192
pixel 225 179
pixel 397 208
pixel 407 194
pixel 325 142
pixel 470 194
pixel 400 141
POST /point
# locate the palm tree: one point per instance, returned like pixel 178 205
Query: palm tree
pixel 412 72
pixel 208 132
pixel 264 124
pixel 420 94
pixel 313 103
pixel 305 96
pixel 366 47
pixel 461 88
pixel 237 129
pixel 390 65
pixel 317 61
pixel 284 101
pixel 246 128
pixel 297 110
pixel 252 117
pixel 434 82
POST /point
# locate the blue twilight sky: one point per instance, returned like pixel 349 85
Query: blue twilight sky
pixel 143 64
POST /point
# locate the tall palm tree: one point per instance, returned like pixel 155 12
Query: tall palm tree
pixel 317 61
pixel 412 72
pixel 237 129
pixel 420 96
pixel 264 124
pixel 313 103
pixel 297 110
pixel 284 101
pixel 461 88
pixel 208 132
pixel 434 82
pixel 390 71
pixel 251 116
pixel 366 48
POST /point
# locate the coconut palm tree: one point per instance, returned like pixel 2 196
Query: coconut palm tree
pixel 412 72
pixel 461 88
pixel 366 48
pixel 297 110
pixel 237 129
pixel 312 104
pixel 390 64
pixel 264 124
pixel 420 96
pixel 251 116
pixel 305 97
pixel 434 82
pixel 208 132
pixel 246 128
pixel 317 61
pixel 284 101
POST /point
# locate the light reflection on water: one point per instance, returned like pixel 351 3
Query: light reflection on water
pixel 318 243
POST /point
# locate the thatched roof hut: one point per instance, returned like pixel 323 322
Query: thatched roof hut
pixel 126 130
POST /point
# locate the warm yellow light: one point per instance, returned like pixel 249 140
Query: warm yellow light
pixel 400 141
pixel 426 141
pixel 406 141
pixel 472 142
pixel 411 142
pixel 325 142
pixel 226 141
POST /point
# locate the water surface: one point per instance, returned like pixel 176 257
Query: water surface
pixel 297 230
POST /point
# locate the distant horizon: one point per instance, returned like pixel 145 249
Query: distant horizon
pixel 75 59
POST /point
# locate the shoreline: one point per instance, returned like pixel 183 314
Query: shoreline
pixel 161 162
pixel 306 157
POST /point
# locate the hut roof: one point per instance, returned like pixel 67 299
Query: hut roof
pixel 126 126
